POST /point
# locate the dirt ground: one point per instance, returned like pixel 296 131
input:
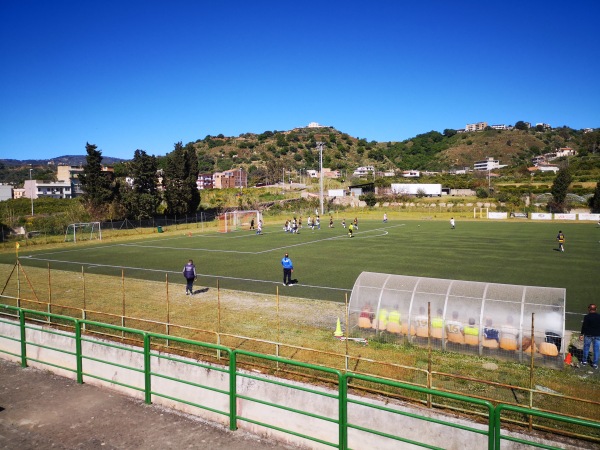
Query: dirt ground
pixel 39 409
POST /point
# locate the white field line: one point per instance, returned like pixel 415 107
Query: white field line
pixel 359 235
pixel 143 269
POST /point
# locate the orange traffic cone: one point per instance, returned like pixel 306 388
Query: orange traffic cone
pixel 338 329
pixel 568 359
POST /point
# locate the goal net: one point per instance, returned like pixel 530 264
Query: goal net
pixel 238 220
pixel 85 231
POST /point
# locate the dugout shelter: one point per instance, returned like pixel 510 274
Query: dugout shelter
pixel 504 320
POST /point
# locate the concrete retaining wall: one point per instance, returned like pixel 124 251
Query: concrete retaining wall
pixel 201 385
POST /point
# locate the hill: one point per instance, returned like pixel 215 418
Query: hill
pixel 266 156
pixel 296 150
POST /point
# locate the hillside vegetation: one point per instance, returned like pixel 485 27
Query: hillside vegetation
pixel 266 155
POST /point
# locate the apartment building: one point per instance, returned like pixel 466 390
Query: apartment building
pixel 205 181
pixel 234 178
pixel 479 126
pixel 36 189
pixel 488 164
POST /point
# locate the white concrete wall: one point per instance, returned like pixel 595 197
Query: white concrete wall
pixel 192 377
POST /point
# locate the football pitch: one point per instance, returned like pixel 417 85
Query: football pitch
pixel 327 262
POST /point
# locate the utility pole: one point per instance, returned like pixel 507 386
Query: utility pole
pixel 320 147
pixel 31 191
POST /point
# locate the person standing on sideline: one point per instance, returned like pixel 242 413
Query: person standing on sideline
pixel 590 335
pixel 288 268
pixel 259 228
pixel 384 217
pixel 189 272
pixel 452 223
pixel 252 224
pixel 560 237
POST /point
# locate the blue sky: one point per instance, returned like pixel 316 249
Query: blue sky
pixel 127 75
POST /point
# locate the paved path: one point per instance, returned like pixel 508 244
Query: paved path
pixel 39 409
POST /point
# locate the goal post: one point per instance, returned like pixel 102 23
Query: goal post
pixel 238 220
pixel 84 231
pixel 481 213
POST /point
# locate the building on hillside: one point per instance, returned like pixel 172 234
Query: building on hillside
pixel 479 126
pixel 328 173
pixel 205 181
pixel 36 189
pixel 71 174
pixel 234 178
pixel 359 189
pixel 545 126
pixel 411 173
pixel 6 192
pixel 488 164
pixel 18 193
pixel 314 125
pixel 363 171
pixel 543 168
pixel 312 173
pixel 500 127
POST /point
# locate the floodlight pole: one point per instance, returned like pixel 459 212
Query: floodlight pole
pixel 320 147
pixel 31 190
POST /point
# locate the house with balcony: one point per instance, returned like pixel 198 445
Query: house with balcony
pixel 205 181
pixel 55 189
pixel 234 178
pixel 488 164
pixel 479 126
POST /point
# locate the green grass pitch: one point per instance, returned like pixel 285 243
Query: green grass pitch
pixel 327 261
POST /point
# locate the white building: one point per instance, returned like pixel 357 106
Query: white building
pixel 363 171
pixel 488 164
pixel 36 189
pixel 6 192
pixel 411 174
pixel 479 126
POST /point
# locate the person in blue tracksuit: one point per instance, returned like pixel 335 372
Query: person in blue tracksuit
pixel 288 268
pixel 189 272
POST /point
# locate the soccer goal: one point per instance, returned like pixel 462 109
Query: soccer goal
pixel 85 231
pixel 481 213
pixel 238 220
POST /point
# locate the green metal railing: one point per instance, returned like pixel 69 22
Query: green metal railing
pixel 338 383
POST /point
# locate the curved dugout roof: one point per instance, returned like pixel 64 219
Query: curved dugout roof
pixel 486 303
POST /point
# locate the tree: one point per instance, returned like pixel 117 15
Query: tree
pixel 595 200
pixel 95 183
pixel 449 132
pixel 181 172
pixel 559 190
pixel 142 198
pixel 520 125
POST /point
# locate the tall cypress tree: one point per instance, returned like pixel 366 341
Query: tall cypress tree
pixel 142 198
pixel 95 183
pixel 559 190
pixel 181 172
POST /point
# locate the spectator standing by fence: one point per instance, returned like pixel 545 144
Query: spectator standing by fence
pixel 590 334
